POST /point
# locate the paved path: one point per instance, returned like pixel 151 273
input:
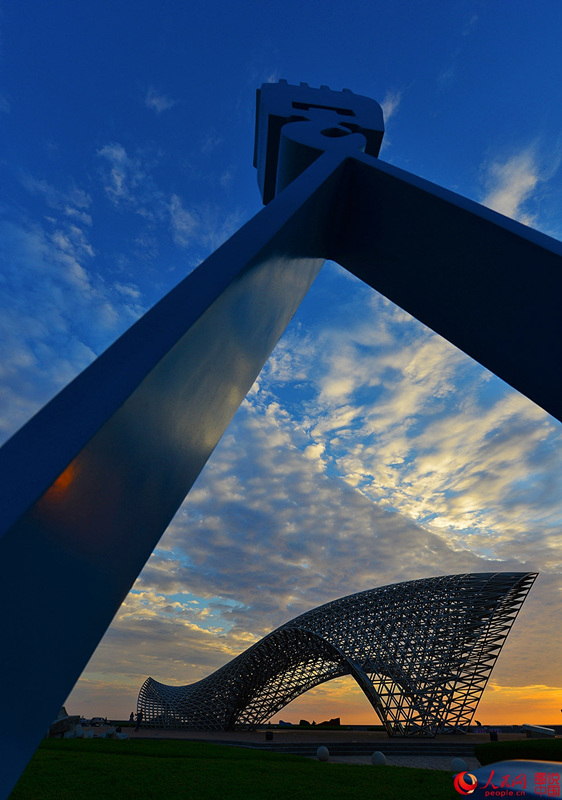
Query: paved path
pixel 287 736
pixel 420 762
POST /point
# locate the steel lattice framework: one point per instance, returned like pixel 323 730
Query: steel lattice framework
pixel 421 651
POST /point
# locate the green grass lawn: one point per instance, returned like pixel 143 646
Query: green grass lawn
pixel 532 749
pixel 170 770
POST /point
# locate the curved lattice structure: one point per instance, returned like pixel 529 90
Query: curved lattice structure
pixel 421 651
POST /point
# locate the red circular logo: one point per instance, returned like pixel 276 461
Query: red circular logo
pixel 465 782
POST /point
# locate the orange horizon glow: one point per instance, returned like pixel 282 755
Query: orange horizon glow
pixel 500 705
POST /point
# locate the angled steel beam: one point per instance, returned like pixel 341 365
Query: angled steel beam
pixel 92 481
pixel 488 284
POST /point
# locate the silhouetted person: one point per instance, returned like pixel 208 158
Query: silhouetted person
pixel 139 720
pixel 132 717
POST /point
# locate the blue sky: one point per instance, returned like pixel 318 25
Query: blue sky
pixel 369 450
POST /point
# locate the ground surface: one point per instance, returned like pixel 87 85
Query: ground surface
pixel 326 737
pixel 145 769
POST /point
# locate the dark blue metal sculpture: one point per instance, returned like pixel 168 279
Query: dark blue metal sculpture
pixel 91 482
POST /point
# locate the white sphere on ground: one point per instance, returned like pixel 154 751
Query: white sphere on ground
pixel 378 759
pixel 322 754
pixel 458 765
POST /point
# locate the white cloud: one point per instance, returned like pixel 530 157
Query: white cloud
pixel 275 536
pixel 158 102
pixel 124 174
pixel 129 183
pixel 390 104
pixel 511 182
pixel 72 200
pixel 81 216
pixel 204 226
pixel 184 223
pixel 447 77
pixel 211 142
pixel 128 290
pixel 56 313
pixel 412 422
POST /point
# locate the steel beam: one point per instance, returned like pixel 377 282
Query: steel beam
pixel 92 481
pixel 488 284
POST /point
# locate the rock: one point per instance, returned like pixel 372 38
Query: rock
pixel 69 735
pixel 458 765
pixel 378 759
pixel 79 731
pixel 88 734
pixel 322 754
pixel 538 732
pixel 121 735
pixel 63 724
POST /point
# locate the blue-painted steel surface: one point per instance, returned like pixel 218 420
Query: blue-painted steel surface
pixel 89 484
pixel 488 284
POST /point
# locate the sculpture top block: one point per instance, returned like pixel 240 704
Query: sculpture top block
pixel 335 114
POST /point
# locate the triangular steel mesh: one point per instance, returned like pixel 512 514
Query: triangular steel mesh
pixel 422 652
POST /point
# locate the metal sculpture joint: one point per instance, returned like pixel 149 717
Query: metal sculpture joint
pixel 296 124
